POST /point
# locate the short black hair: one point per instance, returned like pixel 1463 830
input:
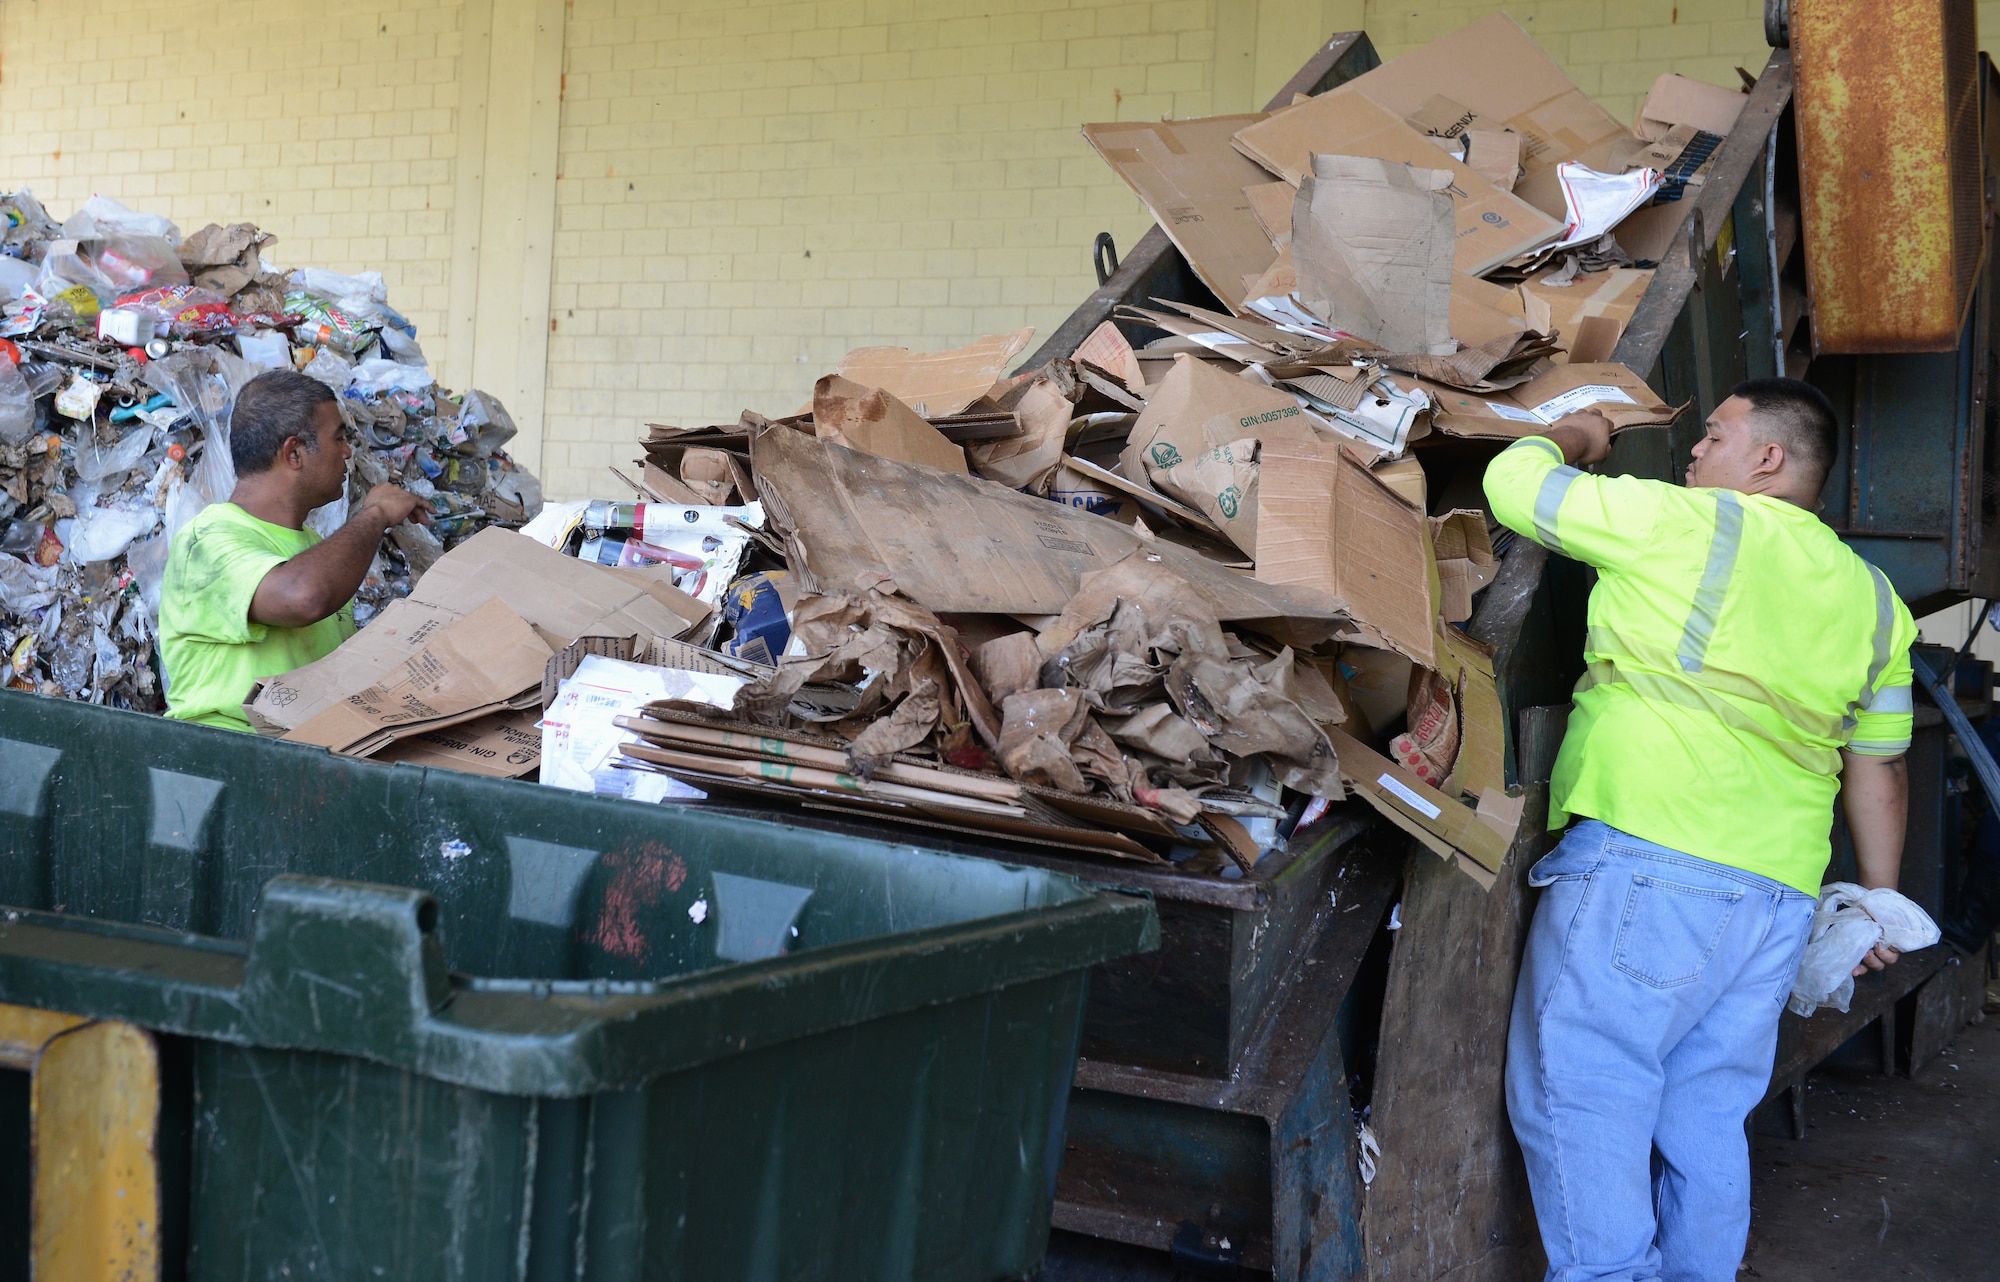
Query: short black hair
pixel 270 408
pixel 1798 416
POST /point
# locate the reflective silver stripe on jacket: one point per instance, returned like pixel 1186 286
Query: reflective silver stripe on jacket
pixel 1885 634
pixel 1652 685
pixel 1891 700
pixel 1549 501
pixel 1715 576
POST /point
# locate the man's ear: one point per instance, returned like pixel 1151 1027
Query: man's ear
pixel 1770 459
pixel 293 452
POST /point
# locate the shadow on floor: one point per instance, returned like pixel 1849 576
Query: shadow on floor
pixel 1897 1177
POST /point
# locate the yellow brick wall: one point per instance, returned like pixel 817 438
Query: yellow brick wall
pixel 328 125
pixel 744 188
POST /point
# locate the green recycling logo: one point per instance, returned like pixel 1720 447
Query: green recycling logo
pixel 1229 500
pixel 1165 455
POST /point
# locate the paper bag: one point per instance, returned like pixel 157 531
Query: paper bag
pixel 1221 484
pixel 1197 408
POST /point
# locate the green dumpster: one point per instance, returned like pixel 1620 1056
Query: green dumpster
pixel 420 1024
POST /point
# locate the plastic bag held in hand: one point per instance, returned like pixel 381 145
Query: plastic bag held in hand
pixel 1849 922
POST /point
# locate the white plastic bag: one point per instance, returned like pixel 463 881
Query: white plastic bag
pixel 105 532
pixel 1848 923
pixel 1597 202
pixel 102 216
pixel 375 376
pixel 335 287
pixel 15 276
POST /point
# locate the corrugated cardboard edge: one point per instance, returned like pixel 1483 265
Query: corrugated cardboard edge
pixel 1454 830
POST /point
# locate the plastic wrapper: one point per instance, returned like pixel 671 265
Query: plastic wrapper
pixel 485 422
pixel 1848 923
pixel 102 216
pixel 15 277
pixel 17 405
pixel 135 262
pixel 105 532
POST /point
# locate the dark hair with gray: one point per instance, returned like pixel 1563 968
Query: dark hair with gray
pixel 1798 417
pixel 270 408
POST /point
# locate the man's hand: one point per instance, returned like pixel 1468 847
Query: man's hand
pixel 1880 956
pixel 393 505
pixel 1584 437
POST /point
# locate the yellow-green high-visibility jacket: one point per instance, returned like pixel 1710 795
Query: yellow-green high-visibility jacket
pixel 1736 645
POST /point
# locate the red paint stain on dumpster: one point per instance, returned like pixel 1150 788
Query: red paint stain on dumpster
pixel 639 879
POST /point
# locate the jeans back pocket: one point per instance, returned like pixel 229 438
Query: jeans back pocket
pixel 1670 930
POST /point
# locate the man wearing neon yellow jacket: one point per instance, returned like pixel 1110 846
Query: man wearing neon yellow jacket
pixel 1745 668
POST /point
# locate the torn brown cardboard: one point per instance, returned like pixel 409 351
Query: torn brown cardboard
pixel 1093 484
pixel 1378 685
pixel 1372 245
pixel 1610 297
pixel 1192 180
pixel 664 487
pixel 1107 348
pixel 1439 822
pixel 877 422
pixel 1493 154
pixel 1500 79
pixel 1465 561
pixel 1679 100
pixel 1481 766
pixel 958 544
pixel 1198 407
pixel 1326 524
pixel 1029 461
pixel 563 596
pixel 1493 226
pixel 936 383
pixel 404 627
pixel 1272 205
pixel 1072 487
pixel 505 745
pixel 1482 311
pixel 479 664
pixel 1605 386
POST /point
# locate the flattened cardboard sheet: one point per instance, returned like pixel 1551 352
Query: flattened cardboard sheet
pixel 1326 524
pixel 958 544
pixel 1493 226
pixel 936 383
pixel 1192 180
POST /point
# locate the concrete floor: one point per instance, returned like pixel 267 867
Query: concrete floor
pixel 1897 1177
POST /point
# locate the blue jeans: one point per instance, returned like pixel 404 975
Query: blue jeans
pixel 1645 1022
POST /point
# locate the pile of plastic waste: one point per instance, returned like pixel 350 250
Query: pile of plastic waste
pixel 122 347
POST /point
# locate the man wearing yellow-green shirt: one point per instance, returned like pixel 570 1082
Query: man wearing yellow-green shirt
pixel 1745 668
pixel 250 592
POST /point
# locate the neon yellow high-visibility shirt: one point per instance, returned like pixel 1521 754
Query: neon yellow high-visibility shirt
pixel 212 651
pixel 1735 646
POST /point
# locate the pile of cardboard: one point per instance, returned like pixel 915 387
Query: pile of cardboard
pixel 122 346
pixel 1437 203
pixel 1163 601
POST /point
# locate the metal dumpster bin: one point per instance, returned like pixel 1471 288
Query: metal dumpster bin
pixel 396 1023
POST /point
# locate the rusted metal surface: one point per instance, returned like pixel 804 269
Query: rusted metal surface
pixel 1692 257
pixel 1888 131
